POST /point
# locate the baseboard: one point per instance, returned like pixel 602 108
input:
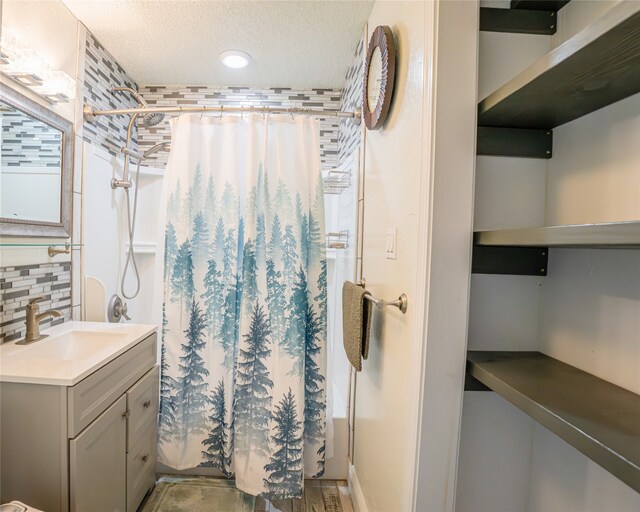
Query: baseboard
pixel 357 497
pixel 337 467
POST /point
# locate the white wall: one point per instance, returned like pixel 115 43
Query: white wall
pixel 418 178
pixel 585 312
pixel 106 236
pixel 391 173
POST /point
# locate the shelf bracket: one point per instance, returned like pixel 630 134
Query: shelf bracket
pixel 505 260
pixel 473 384
pixel 539 5
pixel 517 142
pixel 518 21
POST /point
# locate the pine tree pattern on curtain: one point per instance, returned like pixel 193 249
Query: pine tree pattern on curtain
pixel 243 358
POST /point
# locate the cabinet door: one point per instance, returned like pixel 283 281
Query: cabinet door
pixel 98 461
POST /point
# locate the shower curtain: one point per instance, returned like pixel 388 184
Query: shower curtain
pixel 243 361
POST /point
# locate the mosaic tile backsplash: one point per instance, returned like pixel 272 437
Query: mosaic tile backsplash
pixel 350 135
pixel 241 96
pixel 101 73
pixel 20 284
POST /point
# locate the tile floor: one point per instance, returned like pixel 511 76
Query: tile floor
pixel 319 496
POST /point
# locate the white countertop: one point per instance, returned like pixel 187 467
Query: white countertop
pixel 73 351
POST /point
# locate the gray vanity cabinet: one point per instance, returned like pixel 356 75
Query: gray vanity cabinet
pixel 90 447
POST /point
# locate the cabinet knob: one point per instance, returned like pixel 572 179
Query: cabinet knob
pixel 144 458
pixel 147 404
pixel 125 414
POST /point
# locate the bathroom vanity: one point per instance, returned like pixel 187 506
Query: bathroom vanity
pixel 78 415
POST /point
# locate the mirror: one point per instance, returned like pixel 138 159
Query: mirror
pixel 35 169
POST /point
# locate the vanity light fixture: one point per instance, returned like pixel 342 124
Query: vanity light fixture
pixel 235 59
pixel 57 87
pixel 8 46
pixel 28 68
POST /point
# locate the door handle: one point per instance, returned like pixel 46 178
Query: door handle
pixel 147 404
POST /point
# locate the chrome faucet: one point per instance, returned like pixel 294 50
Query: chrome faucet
pixel 34 317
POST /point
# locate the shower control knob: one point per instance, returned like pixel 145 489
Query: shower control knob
pixel 117 310
pixel 124 310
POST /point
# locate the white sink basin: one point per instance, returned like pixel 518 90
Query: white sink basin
pixel 72 351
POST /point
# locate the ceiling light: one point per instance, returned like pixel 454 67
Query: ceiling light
pixel 235 59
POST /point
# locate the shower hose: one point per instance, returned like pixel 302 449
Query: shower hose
pixel 131 225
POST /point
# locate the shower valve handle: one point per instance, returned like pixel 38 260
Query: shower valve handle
pixel 124 310
pixel 117 309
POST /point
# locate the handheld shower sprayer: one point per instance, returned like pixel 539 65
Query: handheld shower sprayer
pixel 149 120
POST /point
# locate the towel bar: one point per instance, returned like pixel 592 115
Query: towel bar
pixel 401 302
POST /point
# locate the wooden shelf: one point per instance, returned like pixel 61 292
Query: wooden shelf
pixel 606 235
pixel 598 66
pixel 599 419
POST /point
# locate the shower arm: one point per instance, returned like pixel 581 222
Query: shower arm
pixel 91 114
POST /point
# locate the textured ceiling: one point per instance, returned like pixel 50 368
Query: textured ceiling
pixel 298 44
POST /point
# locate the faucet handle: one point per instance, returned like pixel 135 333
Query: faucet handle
pixel 34 302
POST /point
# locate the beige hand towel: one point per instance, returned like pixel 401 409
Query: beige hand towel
pixel 356 320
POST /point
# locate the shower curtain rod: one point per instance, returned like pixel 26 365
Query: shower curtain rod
pixel 90 114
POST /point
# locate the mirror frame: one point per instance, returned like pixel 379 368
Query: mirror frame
pixel 34 228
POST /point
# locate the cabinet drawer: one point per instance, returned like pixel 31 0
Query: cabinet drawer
pixel 91 396
pixel 142 403
pixel 141 467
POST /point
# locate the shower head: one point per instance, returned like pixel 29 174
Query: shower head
pixel 150 119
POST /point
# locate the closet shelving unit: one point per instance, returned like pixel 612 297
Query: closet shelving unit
pixel 524 17
pixel 598 418
pixel 597 67
pixel 604 235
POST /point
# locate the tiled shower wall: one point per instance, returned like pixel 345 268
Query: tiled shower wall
pixel 350 135
pixel 20 284
pixel 245 96
pixel 101 73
